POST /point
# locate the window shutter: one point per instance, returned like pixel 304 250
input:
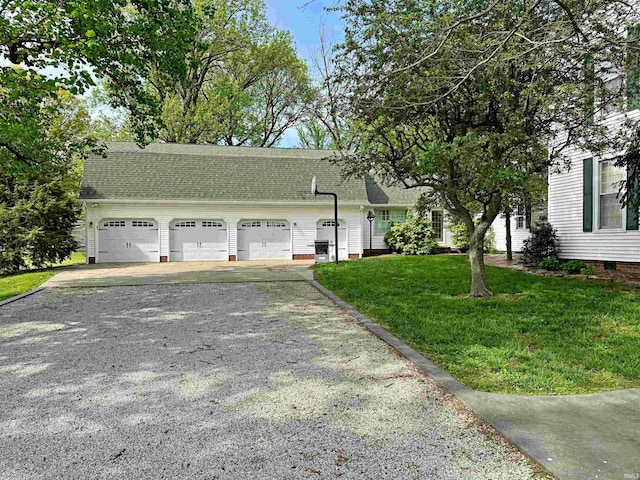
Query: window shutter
pixel 632 206
pixel 587 195
pixel 633 71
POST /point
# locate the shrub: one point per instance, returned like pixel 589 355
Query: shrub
pixel 541 244
pixel 37 214
pixel 414 236
pixel 573 267
pixel 550 263
pixel 588 270
pixel 460 238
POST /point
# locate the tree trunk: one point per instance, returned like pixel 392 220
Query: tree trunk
pixel 479 287
pixel 507 225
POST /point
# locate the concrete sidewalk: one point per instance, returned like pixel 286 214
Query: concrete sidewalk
pixel 112 275
pixel 575 437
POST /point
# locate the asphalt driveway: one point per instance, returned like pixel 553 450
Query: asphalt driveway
pixel 222 381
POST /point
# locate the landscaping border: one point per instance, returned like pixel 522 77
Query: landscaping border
pixel 443 378
pixel 20 296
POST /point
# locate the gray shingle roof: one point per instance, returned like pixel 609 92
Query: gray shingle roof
pixel 218 173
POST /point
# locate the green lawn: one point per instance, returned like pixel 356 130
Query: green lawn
pixel 536 336
pixel 11 285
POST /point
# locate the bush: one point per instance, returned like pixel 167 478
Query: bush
pixel 414 236
pixel 541 244
pixel 573 267
pixel 588 270
pixel 460 238
pixel 550 263
pixel 37 214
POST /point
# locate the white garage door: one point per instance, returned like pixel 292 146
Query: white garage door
pixel 264 240
pixel 128 240
pixel 326 231
pixel 193 240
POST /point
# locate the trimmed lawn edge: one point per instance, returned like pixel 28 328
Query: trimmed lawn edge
pixel 442 378
pixel 535 337
pixel 20 296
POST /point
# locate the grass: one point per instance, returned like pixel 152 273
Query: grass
pixel 11 285
pixel 535 336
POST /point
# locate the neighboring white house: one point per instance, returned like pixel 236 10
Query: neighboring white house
pixel 519 232
pixel 171 202
pixel 585 210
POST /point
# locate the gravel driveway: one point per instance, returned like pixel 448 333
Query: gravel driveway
pixel 222 381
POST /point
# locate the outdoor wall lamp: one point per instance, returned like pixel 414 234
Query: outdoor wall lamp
pixel 371 217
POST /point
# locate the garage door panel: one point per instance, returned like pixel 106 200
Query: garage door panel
pixel 264 240
pixel 198 240
pixel 128 240
pixel 326 231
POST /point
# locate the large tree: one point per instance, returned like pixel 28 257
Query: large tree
pixel 472 98
pixel 328 120
pixel 47 45
pixel 245 84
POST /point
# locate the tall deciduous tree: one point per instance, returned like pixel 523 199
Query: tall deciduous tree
pixel 245 84
pixel 472 98
pixel 48 45
pixel 329 116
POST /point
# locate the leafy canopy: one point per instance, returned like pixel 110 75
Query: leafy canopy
pixel 472 98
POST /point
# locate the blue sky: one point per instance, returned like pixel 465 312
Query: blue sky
pixel 304 20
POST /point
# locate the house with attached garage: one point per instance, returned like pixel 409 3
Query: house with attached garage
pixel 173 203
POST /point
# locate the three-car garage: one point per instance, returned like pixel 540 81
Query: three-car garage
pixel 191 239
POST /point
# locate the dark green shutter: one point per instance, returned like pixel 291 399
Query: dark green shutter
pixel 587 195
pixel 633 70
pixel 632 205
pixel 590 79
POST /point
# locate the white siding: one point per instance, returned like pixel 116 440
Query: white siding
pixel 163 226
pixel 304 234
pixel 518 236
pixel 354 235
pixel 232 235
pixel 565 213
pixel 91 237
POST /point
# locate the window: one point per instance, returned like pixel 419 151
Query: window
pixel 209 224
pixel 612 89
pixel 330 223
pixel 610 208
pixel 520 222
pixel 141 223
pixel 385 218
pixel 114 223
pixel 437 223
pixel 252 224
pixel 276 225
pixel 188 224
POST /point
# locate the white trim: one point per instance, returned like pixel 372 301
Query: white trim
pixel 241 202
pixel 222 202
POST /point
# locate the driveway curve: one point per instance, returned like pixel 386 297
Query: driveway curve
pixel 223 381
